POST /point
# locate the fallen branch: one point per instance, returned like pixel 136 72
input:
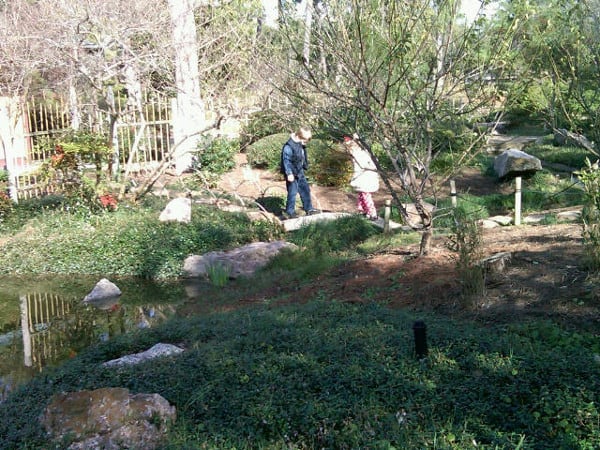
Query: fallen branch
pixel 162 167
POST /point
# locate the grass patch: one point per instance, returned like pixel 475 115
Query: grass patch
pixel 334 375
pixel 567 155
pixel 127 242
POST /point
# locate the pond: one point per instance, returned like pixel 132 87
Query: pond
pixel 43 321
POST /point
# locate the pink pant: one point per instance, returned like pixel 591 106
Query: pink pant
pixel 366 205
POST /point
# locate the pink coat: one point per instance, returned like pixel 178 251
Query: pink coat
pixel 365 177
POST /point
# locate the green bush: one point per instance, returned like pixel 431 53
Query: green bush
pixel 329 164
pixel 454 137
pixel 261 124
pixel 342 234
pixel 590 177
pixel 6 205
pixel 216 156
pixel 567 155
pixel 273 204
pixel 471 206
pixel 266 152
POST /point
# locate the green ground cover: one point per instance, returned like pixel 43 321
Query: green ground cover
pixel 334 375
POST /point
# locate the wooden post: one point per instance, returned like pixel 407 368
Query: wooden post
pixel 386 216
pixel 453 192
pixel 518 201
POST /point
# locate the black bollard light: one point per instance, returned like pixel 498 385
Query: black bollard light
pixel 420 330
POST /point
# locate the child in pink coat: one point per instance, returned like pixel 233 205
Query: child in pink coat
pixel 365 179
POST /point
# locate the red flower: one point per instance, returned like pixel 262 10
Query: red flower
pixel 108 201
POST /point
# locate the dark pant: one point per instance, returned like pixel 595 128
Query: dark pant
pixel 298 186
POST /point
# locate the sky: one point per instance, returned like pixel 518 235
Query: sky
pixel 468 7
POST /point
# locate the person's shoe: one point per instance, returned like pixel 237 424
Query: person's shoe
pixel 289 216
pixel 312 212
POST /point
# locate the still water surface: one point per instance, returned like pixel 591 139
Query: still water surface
pixel 43 321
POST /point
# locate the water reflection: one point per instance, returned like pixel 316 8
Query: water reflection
pixel 45 322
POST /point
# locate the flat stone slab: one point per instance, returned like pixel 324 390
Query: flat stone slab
pixel 299 222
pixel 155 351
pixel 569 215
pixel 380 223
pixel 534 218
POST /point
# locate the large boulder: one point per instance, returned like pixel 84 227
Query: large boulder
pixel 515 163
pixel 108 418
pixel 177 210
pixel 242 261
pixel 104 291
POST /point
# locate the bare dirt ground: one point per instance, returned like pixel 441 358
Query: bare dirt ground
pixel 543 279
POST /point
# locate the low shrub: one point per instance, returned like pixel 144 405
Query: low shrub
pixel 329 164
pixel 259 125
pixel 567 155
pixel 266 152
pixel 466 241
pixel 216 155
pixel 272 204
pixel 590 177
pixel 342 234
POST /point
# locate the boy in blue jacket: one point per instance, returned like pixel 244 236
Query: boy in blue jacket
pixel 294 162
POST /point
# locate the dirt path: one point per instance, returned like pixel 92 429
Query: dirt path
pixel 544 277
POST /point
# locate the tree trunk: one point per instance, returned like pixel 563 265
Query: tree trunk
pixel 308 17
pixel 189 113
pixel 426 238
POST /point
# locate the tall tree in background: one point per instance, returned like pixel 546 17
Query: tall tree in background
pixel 558 45
pixel 406 76
pixel 189 114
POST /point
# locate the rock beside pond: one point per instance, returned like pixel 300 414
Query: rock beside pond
pixel 155 351
pixel 103 290
pixel 242 261
pixel 108 418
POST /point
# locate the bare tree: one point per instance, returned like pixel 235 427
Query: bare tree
pixel 399 74
pixel 199 51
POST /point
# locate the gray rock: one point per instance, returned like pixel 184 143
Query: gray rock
pixel 108 418
pixel 534 218
pixel 155 351
pixel 177 210
pixel 513 163
pixel 104 291
pixel 243 261
pixel 485 223
pixel 566 137
pixel 501 220
pixel 569 215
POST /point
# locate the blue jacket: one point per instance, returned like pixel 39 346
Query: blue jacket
pixel 294 159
